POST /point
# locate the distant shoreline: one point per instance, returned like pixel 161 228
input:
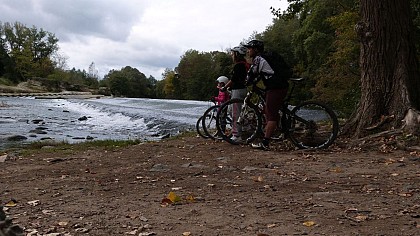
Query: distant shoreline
pixel 62 95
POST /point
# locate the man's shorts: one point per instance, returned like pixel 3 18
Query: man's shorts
pixel 273 102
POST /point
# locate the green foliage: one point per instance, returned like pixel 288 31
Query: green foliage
pixel 167 85
pixel 326 50
pixel 73 80
pixel 339 79
pixel 278 37
pixel 130 82
pixel 26 52
pixel 4 81
pixel 197 73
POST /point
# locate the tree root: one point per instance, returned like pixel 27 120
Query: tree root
pixel 387 141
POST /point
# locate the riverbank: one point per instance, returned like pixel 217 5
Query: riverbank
pixel 24 90
pixel 62 95
pixel 217 189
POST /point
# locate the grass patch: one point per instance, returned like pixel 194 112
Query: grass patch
pixel 70 148
pixel 6 82
pixel 49 146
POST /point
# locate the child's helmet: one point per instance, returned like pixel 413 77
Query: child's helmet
pixel 239 49
pixel 222 79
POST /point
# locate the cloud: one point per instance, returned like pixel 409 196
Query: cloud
pixel 150 35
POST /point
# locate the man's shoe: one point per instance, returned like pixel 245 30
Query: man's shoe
pixel 260 146
pixel 236 139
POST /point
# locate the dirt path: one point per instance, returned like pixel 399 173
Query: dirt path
pixel 223 190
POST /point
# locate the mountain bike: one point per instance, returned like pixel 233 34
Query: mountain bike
pixel 199 124
pixel 208 124
pixel 309 125
pixel 199 128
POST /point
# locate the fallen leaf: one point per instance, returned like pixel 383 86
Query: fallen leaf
pixel 361 217
pixel 390 161
pixel 133 232
pixel 173 197
pixel 309 223
pixel 63 223
pixel 11 203
pixel 165 202
pixel 34 202
pixel 258 178
pixel 47 212
pixel 147 234
pixel 190 198
pixel 3 158
pixel 336 170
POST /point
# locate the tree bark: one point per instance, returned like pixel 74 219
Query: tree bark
pixel 389 68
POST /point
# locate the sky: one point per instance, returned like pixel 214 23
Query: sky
pixel 149 35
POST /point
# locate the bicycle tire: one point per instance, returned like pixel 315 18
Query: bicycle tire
pixel 200 129
pixel 250 121
pixel 208 123
pixel 313 125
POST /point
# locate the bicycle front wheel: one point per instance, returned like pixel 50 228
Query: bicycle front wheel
pixel 313 125
pixel 199 128
pixel 238 123
pixel 208 123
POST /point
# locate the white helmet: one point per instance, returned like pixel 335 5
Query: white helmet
pixel 240 49
pixel 222 79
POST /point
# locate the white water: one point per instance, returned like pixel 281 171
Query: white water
pixel 107 118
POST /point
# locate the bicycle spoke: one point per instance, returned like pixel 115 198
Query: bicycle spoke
pixel 235 120
pixel 314 125
pixel 209 122
pixel 199 128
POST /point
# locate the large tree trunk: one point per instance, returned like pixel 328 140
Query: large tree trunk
pixel 389 68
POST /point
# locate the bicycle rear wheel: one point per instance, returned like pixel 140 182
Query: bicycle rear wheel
pixel 313 125
pixel 248 122
pixel 199 128
pixel 208 122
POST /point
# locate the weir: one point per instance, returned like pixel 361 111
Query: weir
pixel 61 95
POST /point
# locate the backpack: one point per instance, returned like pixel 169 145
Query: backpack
pixel 282 71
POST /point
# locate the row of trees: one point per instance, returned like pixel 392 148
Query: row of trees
pixel 28 53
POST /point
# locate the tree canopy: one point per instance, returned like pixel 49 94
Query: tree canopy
pixel 26 52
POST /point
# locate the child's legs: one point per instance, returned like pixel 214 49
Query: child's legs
pixel 236 110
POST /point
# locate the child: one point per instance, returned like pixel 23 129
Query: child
pixel 223 95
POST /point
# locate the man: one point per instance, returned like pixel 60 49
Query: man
pixel 276 89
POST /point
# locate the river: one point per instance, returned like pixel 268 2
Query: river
pixel 78 120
